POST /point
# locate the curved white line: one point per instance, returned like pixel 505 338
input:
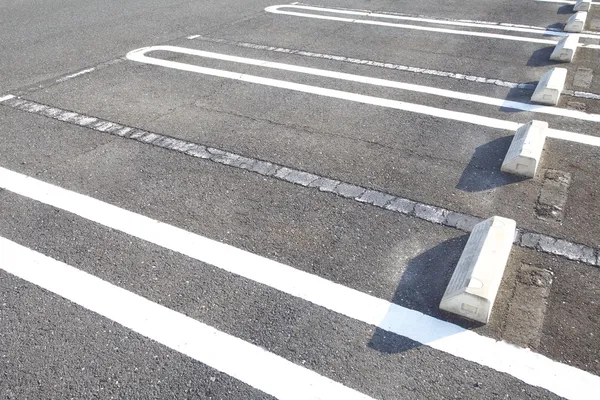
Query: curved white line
pixel 139 55
pixel 276 10
pixel 444 21
pixel 386 83
pixel 563 2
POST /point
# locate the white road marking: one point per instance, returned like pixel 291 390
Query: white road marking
pixel 193 37
pixel 139 56
pixel 529 367
pixel 244 361
pixel 563 2
pixel 380 64
pixel 82 72
pixel 276 10
pixel 377 82
pixel 387 65
pixel 440 21
pixel 7 97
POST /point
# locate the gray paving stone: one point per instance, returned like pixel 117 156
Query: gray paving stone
pixel 243 162
pixel 178 145
pixel 51 112
pixel 430 213
pixel 403 206
pixel 86 121
pixel 349 191
pixel 376 198
pixel 199 151
pixel 282 172
pixel 300 177
pixel 136 134
pixel 123 132
pixel 325 184
pixel 546 243
pixel 164 141
pixel 149 137
pixel 530 240
pixel 264 168
pixel 461 221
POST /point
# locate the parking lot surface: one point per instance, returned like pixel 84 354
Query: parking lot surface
pixel 227 200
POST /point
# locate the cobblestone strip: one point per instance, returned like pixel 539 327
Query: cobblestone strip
pixel 426 212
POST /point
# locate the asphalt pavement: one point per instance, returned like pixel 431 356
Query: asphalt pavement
pixel 271 201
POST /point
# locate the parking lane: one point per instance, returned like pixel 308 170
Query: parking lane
pixel 182 299
pixel 474 185
pixel 66 351
pixel 267 173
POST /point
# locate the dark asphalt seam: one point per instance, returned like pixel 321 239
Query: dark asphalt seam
pixel 387 65
pixel 382 200
pixel 45 84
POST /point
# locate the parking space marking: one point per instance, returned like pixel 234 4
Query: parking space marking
pixel 376 82
pixel 139 56
pixel 563 2
pixel 440 21
pixel 244 361
pixel 76 74
pixel 380 64
pixel 7 97
pixel 275 10
pixel 382 200
pixel 531 368
pixel 398 67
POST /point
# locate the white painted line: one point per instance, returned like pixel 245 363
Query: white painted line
pixel 573 137
pixel 82 72
pixel 474 285
pixel 379 64
pixel 276 10
pixel 7 97
pixel 193 37
pixel 372 81
pixel 538 30
pixel 139 56
pixel 244 361
pixel 387 65
pixel 531 368
pixel 440 20
pixel 563 2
